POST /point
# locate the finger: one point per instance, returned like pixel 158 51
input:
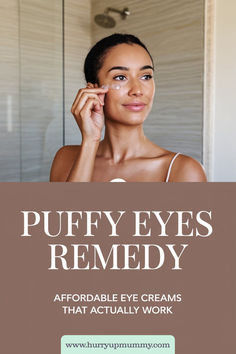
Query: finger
pixel 101 97
pixel 80 92
pixel 97 108
pixel 91 104
pixel 88 90
pixel 79 108
pixel 83 99
pixel 86 95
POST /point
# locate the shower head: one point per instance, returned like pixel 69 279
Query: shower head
pixel 106 21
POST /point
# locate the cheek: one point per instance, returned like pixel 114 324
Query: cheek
pixel 151 93
pixel 152 88
pixel 112 99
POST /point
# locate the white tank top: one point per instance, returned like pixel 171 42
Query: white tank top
pixel 168 173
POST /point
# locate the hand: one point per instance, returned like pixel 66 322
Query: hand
pixel 87 110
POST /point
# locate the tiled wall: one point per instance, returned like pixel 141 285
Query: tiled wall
pixel 31 88
pixel 31 101
pixel 40 38
pixel 174 33
pixel 9 93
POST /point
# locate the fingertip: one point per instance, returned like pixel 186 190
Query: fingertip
pixel 105 87
pixel 97 107
pixel 89 84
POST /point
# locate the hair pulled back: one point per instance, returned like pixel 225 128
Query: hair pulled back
pixel 97 53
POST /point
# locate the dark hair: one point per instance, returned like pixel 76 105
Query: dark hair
pixel 96 55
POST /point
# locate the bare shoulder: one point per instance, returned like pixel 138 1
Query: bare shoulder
pixel 63 162
pixel 187 169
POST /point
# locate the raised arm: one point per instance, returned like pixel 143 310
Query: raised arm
pixel 76 164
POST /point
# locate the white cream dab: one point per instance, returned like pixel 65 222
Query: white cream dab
pixel 113 86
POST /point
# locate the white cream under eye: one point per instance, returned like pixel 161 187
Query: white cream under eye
pixel 112 86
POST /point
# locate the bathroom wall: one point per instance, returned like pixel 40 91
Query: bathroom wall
pixel 34 121
pixel 224 145
pixel 31 88
pixel 9 92
pixel 40 40
pixel 174 33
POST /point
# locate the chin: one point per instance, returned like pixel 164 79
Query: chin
pixel 134 119
pixel 129 120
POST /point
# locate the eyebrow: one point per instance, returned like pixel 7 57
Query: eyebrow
pixel 127 69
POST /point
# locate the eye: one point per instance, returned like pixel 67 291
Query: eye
pixel 119 77
pixel 147 77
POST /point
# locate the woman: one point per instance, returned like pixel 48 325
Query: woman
pixel 120 91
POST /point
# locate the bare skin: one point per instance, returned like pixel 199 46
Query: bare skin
pixel 125 152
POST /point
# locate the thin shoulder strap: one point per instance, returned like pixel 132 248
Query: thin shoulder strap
pixel 171 163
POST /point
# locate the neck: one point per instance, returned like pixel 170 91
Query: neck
pixel 122 142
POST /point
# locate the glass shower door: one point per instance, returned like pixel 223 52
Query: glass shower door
pixel 32 107
pixel 9 92
pixel 41 86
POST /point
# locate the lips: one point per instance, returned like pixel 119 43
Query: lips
pixel 135 106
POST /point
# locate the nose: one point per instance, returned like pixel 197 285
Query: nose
pixel 135 88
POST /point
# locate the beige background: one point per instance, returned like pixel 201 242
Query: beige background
pixel 224 146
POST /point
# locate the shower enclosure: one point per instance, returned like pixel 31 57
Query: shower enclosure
pixel 32 94
pixel 43 46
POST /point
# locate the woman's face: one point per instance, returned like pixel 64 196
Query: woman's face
pixel 130 67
